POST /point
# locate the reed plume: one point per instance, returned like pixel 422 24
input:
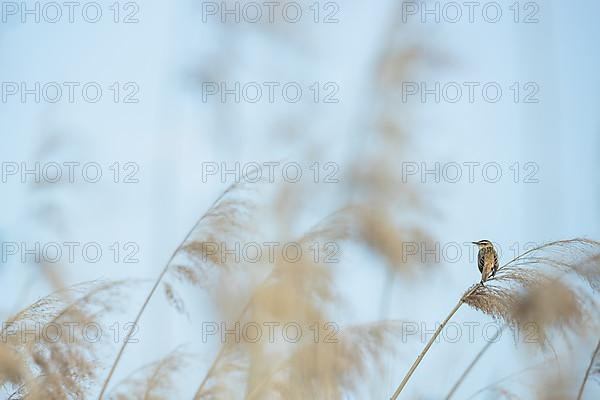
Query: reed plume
pixel 223 214
pixel 47 360
pixel 154 381
pixel 225 378
pixel 506 296
pixel 548 303
pixel 302 291
pixel 537 289
pixel 299 291
pixel 330 370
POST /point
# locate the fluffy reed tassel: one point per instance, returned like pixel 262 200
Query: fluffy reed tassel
pixel 537 289
pixel 53 359
pixel 222 215
pixel 550 304
pixel 225 378
pixel 513 294
pixel 298 291
pixel 330 370
pixel 154 381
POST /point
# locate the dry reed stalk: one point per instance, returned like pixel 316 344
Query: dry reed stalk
pixel 221 211
pixel 437 332
pixel 129 334
pixel 226 349
pixel 231 366
pixel 501 297
pixel 473 362
pixel 508 377
pixel 154 381
pixel 593 368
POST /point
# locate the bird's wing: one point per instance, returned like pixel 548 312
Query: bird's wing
pixel 495 264
pixel 480 260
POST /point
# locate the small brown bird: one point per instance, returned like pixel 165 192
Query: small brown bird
pixel 487 259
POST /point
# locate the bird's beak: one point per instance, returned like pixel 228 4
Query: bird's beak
pixel 475 243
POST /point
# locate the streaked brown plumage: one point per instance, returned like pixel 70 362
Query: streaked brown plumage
pixel 487 259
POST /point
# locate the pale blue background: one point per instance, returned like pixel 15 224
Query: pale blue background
pixel 171 132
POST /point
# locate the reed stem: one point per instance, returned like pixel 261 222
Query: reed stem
pixel 147 300
pixel 430 343
pixel 587 372
pixel 472 364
